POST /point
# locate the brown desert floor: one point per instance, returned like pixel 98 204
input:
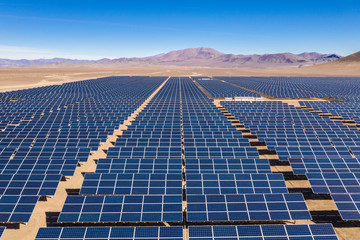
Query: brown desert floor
pixel 20 78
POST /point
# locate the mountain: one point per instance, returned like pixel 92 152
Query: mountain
pixel 24 62
pixel 205 57
pixel 351 58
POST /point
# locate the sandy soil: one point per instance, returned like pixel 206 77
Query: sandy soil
pixel 20 78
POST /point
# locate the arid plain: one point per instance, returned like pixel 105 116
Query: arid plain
pixel 20 78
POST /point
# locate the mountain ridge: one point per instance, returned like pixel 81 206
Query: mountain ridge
pixel 202 57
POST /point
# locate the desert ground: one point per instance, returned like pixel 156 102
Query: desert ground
pixel 20 78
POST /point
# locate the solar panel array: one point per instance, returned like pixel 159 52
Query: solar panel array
pixel 132 184
pixel 234 183
pixel 326 151
pixel 314 145
pixel 293 132
pixel 179 162
pixel 346 88
pixel 220 89
pixel 343 184
pixel 348 110
pixel 16 209
pixel 140 180
pixel 247 207
pixel 111 233
pixel 149 208
pixel 30 185
pixel 263 232
pixel 46 131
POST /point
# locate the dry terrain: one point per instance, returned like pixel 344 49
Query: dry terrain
pixel 20 78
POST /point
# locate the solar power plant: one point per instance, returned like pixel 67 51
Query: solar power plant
pixel 47 131
pixel 182 158
pixel 348 110
pixel 300 87
pixel 293 132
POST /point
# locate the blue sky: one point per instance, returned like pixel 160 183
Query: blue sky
pixel 96 29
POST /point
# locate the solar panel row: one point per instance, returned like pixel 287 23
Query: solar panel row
pixel 220 89
pixel 346 88
pixel 324 150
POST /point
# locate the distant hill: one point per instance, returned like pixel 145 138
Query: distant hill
pixel 206 57
pixel 351 58
pixel 24 62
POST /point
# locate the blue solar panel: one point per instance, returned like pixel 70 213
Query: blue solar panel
pixel 40 165
pixel 218 88
pixel 301 87
pixel 334 182
pixel 132 184
pixel 30 185
pixel 246 207
pixel 136 165
pixel 146 208
pixel 225 165
pixel 111 233
pixel 17 209
pixel 325 165
pixel 263 232
pixel 2 229
pixel 348 205
pixel 234 183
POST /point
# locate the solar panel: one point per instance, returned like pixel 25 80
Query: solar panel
pixel 348 205
pixel 301 87
pixel 132 184
pixel 218 88
pixel 17 209
pixel 129 208
pixel 111 233
pixel 340 165
pixel 137 165
pixel 334 182
pixel 246 207
pixel 40 165
pixel 263 232
pixel 227 165
pixel 30 185
pixel 234 183
pixel 2 229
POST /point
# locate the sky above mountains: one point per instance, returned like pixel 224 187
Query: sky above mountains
pixel 88 29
